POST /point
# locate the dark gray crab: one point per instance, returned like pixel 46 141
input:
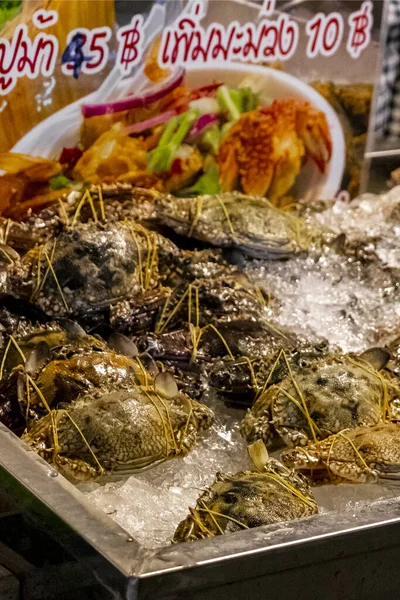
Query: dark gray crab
pixel 248 499
pixel 233 220
pixel 122 431
pixel 92 266
pixel 262 362
pixel 359 455
pixel 206 320
pixel 320 399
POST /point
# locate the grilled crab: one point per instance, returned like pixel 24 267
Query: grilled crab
pixel 263 151
pixel 248 499
pixel 233 220
pixel 360 455
pixel 120 431
pixel 318 400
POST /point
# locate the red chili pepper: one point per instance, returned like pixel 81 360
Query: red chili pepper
pixel 176 167
pixel 70 156
pixel 205 91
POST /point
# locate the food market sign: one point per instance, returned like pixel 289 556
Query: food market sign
pixel 186 42
pixel 321 53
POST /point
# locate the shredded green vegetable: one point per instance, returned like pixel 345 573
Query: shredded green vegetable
pixel 161 158
pixel 236 101
pixel 210 140
pixel 206 184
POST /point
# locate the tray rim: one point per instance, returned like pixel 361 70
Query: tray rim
pixel 262 547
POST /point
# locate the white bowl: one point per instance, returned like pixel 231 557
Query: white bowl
pixel 62 129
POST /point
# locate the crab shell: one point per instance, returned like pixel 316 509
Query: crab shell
pixel 240 380
pixel 91 266
pixel 123 431
pixel 234 220
pixel 61 343
pixel 248 499
pixel 316 401
pixel 360 455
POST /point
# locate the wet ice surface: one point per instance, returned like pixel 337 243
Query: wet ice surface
pixel 333 299
pixel 350 305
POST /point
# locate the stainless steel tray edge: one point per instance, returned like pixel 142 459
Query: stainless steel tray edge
pixel 170 572
pixel 40 491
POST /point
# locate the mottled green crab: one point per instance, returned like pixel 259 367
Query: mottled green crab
pixel 95 270
pixel 54 364
pixel 248 499
pixel 121 431
pixel 321 398
pixel 233 220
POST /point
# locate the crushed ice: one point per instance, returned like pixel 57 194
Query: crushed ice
pixel 350 305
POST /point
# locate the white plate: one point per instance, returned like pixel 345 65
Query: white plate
pixel 62 129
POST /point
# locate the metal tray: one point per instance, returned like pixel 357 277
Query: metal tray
pixel 328 556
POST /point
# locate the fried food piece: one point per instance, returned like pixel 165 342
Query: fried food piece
pixel 263 151
pixel 111 157
pixel 25 183
pixel 33 168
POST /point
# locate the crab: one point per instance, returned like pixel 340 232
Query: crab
pixel 208 319
pixel 251 225
pixel 121 431
pixel 91 266
pixel 320 399
pixel 263 151
pixel 248 499
pixel 230 299
pixel 359 455
pixel 262 362
pixel 50 365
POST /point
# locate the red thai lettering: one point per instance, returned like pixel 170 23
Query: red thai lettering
pixel 187 41
pixel 22 57
pixel 360 23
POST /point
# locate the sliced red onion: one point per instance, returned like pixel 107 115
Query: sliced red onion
pixel 200 126
pixel 149 123
pixel 156 93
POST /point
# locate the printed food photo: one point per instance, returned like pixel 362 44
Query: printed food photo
pixel 199 305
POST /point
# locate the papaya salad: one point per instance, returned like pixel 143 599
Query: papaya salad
pixel 178 140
